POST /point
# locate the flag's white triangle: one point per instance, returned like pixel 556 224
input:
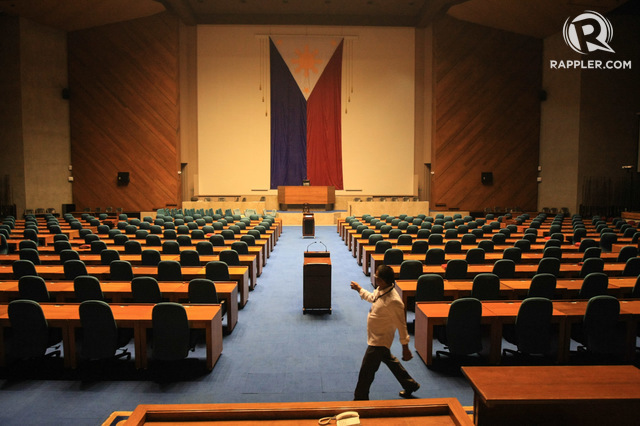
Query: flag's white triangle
pixel 306 57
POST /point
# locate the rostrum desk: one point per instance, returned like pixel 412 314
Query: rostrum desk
pixel 312 195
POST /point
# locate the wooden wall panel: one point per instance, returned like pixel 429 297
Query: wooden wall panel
pixel 124 113
pixel 487 117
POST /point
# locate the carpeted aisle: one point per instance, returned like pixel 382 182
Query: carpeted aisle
pixel 274 354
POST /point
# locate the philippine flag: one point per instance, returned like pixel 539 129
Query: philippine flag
pixel 306 110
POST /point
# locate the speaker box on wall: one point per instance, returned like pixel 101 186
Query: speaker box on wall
pixel 487 178
pixel 68 208
pixel 123 178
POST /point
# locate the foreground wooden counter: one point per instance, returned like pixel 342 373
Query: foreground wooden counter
pixel 441 411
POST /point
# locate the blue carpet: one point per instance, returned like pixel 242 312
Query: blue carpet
pixel 275 354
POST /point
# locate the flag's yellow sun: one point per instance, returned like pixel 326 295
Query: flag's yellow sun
pixel 306 61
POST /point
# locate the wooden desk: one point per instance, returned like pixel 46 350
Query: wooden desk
pixel 240 274
pixel 120 292
pixel 138 317
pixel 440 411
pixel 313 195
pixel 555 395
pixel 248 260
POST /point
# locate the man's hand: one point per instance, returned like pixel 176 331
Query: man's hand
pixel 355 286
pixel 406 353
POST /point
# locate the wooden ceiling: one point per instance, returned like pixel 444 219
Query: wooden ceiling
pixel 537 18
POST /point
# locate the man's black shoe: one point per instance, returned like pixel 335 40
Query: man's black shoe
pixel 407 393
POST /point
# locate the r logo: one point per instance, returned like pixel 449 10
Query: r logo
pixel 588 32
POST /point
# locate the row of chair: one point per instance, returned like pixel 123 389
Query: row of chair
pixel 101 338
pixel 600 333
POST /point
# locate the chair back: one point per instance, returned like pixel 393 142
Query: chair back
pixel 463 331
pixel 533 326
pixel 487 245
pixel 393 256
pixel 202 290
pixel 32 287
pixel 594 284
pixel 631 267
pixel 171 333
pixel 87 287
pixel 543 285
pixel 486 286
pixel 249 239
pixel 120 270
pixel 549 265
pixel 592 264
pixel 30 331
pixel 150 257
pixel 30 254
pixel 170 247
pixel 513 253
pixel 108 256
pixel 240 247
pixel 602 333
pixel 410 270
pixel 217 270
pixel 504 268
pixel 382 246
pixel 23 267
pixel 99 330
pixel 97 246
pixel 591 252
pixel 217 240
pixel 430 288
pixel 204 248
pixel 145 290
pixel 420 247
pixel 170 270
pixel 456 269
pixel 434 256
pixel 132 247
pixel 230 257
pixel 453 246
pixel 73 268
pixel 190 257
pixel 475 256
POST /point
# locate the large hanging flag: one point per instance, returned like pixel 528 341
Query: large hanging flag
pixel 306 111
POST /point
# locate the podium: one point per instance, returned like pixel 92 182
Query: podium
pixel 308 225
pixel 316 287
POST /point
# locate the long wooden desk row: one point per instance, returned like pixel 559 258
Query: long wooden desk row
pixel 266 242
pixel 240 274
pixel 120 292
pixel 567 270
pixel 349 235
pixel 543 228
pixel 138 317
pixel 248 260
pixel 496 314
pixel 258 250
pixel 46 237
pixel 511 289
pixel 569 252
pixel 528 258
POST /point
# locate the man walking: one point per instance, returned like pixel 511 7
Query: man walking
pixel 385 316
